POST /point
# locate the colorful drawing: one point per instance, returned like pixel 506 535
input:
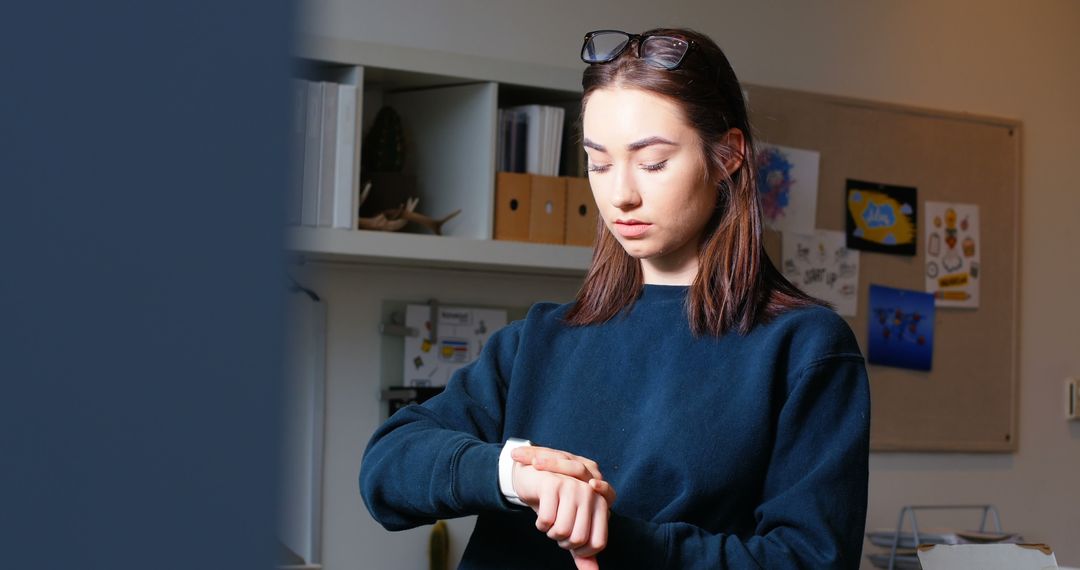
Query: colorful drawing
pixel 788 185
pixel 953 245
pixel 901 328
pixel 454 350
pixel 821 265
pixel 462 333
pixel 881 217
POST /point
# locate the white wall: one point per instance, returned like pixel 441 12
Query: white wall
pixel 1010 59
pixel 354 295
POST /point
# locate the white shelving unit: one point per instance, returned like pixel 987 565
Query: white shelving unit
pixel 448 104
pixel 450 140
pixel 387 248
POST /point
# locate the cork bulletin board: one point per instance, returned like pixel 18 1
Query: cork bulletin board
pixel 968 400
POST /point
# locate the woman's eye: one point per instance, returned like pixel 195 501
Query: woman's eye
pixel 648 167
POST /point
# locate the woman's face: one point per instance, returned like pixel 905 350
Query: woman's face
pixel 647 173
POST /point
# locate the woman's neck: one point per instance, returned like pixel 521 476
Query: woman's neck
pixel 675 268
pixel 653 275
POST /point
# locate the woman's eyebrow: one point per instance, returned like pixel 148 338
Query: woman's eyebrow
pixel 648 141
pixel 636 145
pixel 590 144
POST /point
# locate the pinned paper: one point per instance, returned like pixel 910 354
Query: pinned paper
pixel 953 249
pixel 901 328
pixel 788 187
pixel 881 217
pixel 462 334
pixel 822 266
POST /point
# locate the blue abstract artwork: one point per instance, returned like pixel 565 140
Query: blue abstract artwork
pixel 901 328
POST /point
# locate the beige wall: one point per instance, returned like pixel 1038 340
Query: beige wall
pixel 1010 59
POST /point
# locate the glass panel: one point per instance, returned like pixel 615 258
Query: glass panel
pixel 663 51
pixel 604 46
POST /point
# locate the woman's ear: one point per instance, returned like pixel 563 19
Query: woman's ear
pixel 732 149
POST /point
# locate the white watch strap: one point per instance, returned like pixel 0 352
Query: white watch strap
pixel 506 473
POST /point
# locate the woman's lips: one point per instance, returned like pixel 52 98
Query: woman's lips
pixel 632 229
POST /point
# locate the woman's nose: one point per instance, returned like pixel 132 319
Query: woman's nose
pixel 624 194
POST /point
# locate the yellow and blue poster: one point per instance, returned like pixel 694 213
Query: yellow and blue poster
pixel 881 217
pixel 901 328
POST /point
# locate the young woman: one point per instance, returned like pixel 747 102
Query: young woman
pixel 691 408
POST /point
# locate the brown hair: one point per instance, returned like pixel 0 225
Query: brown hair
pixel 736 286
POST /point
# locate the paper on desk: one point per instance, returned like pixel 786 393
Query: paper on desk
pixel 987 557
pixel 884 537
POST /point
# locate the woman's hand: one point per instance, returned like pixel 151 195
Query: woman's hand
pixel 563 463
pixel 569 511
pixel 577 504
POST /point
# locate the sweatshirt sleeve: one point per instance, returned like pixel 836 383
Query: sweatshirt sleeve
pixel 439 459
pixel 813 508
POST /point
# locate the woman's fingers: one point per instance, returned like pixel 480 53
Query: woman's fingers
pixel 599 535
pixel 568 467
pixel 605 489
pixel 589 464
pixel 557 461
pixel 547 509
pixel 581 532
pixel 585 562
pixel 573 513
pixel 569 504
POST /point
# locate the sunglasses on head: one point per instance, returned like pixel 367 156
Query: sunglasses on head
pixel 602 46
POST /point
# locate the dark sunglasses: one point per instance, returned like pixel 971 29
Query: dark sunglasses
pixel 602 46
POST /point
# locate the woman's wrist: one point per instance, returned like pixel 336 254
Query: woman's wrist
pixel 506 470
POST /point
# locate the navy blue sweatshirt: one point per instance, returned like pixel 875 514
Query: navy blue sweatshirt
pixel 740 451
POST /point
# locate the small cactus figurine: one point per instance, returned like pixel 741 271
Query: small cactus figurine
pixel 384 146
pixel 439 553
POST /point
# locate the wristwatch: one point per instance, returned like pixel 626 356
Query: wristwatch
pixel 506 470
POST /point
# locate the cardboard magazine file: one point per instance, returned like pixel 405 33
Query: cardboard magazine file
pixel 512 201
pixel 547 209
pixel 580 212
pixel 986 557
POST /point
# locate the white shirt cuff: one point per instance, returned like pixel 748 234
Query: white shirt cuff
pixel 506 467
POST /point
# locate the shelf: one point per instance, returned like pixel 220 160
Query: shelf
pixel 415 250
pixel 448 105
pixel 439 67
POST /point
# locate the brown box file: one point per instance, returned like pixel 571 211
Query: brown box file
pixel 547 215
pixel 512 191
pixel 581 212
